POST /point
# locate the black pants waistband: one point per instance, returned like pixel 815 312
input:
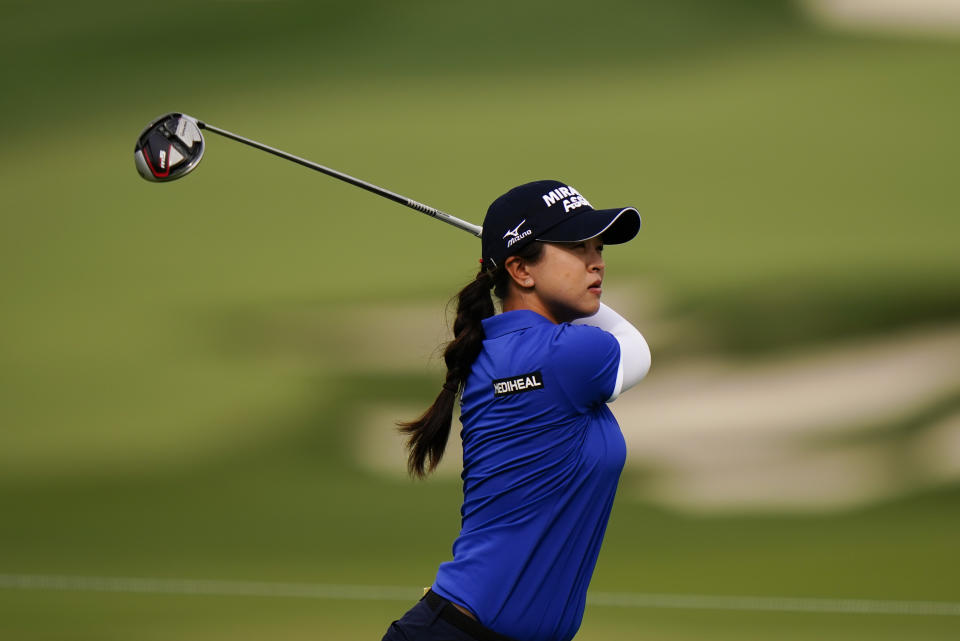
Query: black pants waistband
pixel 459 620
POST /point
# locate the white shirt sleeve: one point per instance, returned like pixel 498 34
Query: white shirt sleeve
pixel 634 351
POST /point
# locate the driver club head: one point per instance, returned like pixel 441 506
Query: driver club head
pixel 170 147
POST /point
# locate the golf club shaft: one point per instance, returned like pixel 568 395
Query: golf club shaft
pixel 380 191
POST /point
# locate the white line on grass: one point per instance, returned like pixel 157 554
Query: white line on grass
pixel 773 604
pixel 399 593
pixel 208 587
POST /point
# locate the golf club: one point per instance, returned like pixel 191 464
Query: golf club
pixel 172 145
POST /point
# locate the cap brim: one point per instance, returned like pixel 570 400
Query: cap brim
pixel 614 225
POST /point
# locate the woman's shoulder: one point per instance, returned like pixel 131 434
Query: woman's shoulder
pixel 584 360
pixel 579 341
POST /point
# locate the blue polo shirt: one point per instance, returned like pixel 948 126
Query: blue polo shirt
pixel 542 456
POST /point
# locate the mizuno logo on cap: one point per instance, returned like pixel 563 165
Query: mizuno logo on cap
pixel 514 234
pixel 516 230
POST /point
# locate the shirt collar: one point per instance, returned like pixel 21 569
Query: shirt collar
pixel 513 321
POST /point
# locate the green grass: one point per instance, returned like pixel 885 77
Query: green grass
pixel 300 510
pixel 277 516
pixel 214 618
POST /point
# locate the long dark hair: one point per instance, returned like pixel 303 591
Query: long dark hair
pixel 427 436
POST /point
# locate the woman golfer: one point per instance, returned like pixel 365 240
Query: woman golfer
pixel 542 453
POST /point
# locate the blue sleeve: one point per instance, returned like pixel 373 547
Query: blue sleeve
pixel 584 360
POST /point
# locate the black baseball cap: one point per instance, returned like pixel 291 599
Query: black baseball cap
pixel 551 211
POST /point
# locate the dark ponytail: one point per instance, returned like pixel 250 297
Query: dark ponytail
pixel 427 435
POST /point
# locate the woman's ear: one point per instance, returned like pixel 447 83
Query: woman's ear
pixel 519 272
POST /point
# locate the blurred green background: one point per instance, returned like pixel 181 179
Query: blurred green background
pixel 199 380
